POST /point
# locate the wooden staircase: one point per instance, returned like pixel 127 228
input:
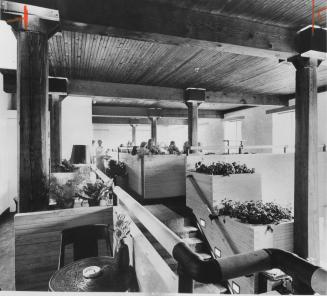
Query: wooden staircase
pixel 184 228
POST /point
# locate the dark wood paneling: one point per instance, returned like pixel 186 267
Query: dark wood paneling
pixel 125 120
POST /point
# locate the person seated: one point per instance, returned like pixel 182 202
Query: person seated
pixel 143 150
pixel 134 150
pixel 173 149
pixel 186 148
pixel 153 149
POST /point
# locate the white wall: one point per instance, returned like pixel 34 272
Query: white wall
pixel 322 118
pixel 8 50
pixel 76 123
pixel 112 135
pixel 256 126
pixel 5 101
pixel 12 157
pixel 210 133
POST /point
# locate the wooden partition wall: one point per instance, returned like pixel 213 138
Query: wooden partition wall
pixel 37 242
pixel 276 171
pixel 156 176
pixel 153 273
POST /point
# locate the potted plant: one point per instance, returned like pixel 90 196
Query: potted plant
pixel 62 194
pixel 121 231
pixel 118 172
pixel 98 192
pixel 222 180
pixel 253 225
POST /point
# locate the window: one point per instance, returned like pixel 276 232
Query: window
pixel 283 131
pixel 233 134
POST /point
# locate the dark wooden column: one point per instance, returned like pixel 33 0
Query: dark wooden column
pixel 55 130
pixel 193 116
pixel 133 133
pixel 193 98
pixel 154 121
pixel 306 200
pixel 32 108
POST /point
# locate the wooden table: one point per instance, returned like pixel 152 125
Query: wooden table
pixel 70 278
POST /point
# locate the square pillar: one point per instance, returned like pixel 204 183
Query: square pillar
pixel 154 121
pixel 306 200
pixel 133 134
pixel 55 129
pixel 193 97
pixel 32 114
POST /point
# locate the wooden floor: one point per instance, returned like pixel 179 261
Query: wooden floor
pixel 7 274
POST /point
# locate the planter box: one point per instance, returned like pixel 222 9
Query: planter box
pixel 240 187
pixel 229 236
pixel 156 176
pixel 247 238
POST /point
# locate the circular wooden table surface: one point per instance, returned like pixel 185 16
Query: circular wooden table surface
pixel 111 279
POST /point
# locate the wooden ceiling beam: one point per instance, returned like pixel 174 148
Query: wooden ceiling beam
pixel 140 112
pixel 165 23
pixel 56 85
pixel 125 120
pixel 128 91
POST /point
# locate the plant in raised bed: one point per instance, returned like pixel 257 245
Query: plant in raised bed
pixel 63 195
pixel 223 168
pixel 65 167
pixel 116 168
pixel 254 212
pixel 95 192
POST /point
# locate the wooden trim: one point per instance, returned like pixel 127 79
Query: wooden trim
pixel 282 109
pixel 158 93
pixel 234 118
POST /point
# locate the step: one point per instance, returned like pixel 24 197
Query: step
pixel 200 288
pixel 167 216
pixel 188 231
pixel 194 243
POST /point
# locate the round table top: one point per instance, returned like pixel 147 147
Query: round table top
pixel 111 279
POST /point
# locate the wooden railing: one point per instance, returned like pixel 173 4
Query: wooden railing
pixel 192 267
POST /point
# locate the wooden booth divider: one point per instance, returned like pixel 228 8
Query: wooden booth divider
pixel 37 241
pixel 155 176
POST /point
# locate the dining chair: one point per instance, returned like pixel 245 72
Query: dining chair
pixel 85 241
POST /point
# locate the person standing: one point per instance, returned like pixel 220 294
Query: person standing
pixel 93 152
pixel 99 154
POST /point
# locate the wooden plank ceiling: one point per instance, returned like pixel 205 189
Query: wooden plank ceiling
pixel 93 57
pixel 80 55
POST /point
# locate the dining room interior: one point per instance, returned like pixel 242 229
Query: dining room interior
pixel 163 146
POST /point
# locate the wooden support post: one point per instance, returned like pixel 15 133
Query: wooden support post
pixel 306 201
pixel 193 97
pixel 32 109
pixel 55 130
pixel 154 129
pixel 133 134
pixel 193 123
